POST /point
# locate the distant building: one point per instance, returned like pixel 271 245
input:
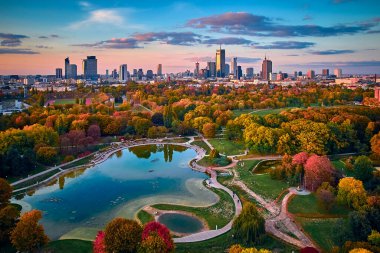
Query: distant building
pixel 239 72
pixel 220 62
pixel 300 73
pixel 249 73
pixel 140 74
pixel 67 67
pixel 211 67
pixel 377 93
pixel 234 66
pixel 123 73
pixel 90 68
pixel 107 73
pixel 266 68
pixel 325 72
pixel 196 70
pixel 310 74
pixel 58 73
pixel 159 70
pixel 73 71
pixel 149 74
pixel 295 74
pixel 114 74
pixel 227 69
pixel 338 73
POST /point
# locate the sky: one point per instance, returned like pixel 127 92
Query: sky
pixel 36 36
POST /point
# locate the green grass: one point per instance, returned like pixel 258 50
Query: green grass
pixel 227 147
pixel 238 112
pixel 144 217
pixel 36 179
pixel 82 161
pixel 39 168
pixel 208 161
pixel 341 166
pixel 320 231
pixel 223 242
pixel 219 214
pixel 307 206
pixel 69 246
pixel 262 184
pixel 64 101
pixel 202 144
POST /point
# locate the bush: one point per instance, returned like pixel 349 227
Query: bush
pixel 68 158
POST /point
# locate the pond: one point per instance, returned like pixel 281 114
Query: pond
pixel 181 223
pixel 81 203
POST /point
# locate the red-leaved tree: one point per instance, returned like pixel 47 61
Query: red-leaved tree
pixel 318 169
pixel 98 245
pixel 300 158
pixel 162 231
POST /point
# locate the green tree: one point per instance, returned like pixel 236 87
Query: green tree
pixel 168 116
pixel 249 227
pixel 351 193
pixel 122 235
pixel 363 168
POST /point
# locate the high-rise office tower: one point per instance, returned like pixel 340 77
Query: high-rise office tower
pixel 114 74
pixel 73 71
pixel 227 69
pixel 295 74
pixel 140 74
pixel 299 73
pixel 249 73
pixel 233 66
pixel 107 73
pixel 123 73
pixel 211 67
pixel 266 69
pixel 220 62
pixel 196 70
pixel 239 72
pixel 310 74
pixel 149 74
pixel 90 68
pixel 159 69
pixel 325 72
pixel 67 67
pixel 338 73
pixel 58 73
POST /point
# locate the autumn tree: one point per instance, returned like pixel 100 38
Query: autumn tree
pixel 28 235
pixel 153 243
pixel 47 155
pixel 325 196
pixel 318 169
pixel 8 218
pixel 351 193
pixel 363 168
pixel 375 144
pixel 249 226
pixel 99 245
pixel 157 229
pixel 122 235
pixel 5 192
pixel 209 130
pixel 94 132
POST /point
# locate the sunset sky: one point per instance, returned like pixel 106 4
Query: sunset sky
pixel 36 36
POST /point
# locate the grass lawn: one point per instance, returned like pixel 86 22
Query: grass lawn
pixel 144 217
pixel 227 147
pixel 320 231
pixel 340 165
pixel 307 206
pixel 69 246
pixel 238 112
pixel 64 101
pixel 223 242
pixel 202 144
pixel 78 163
pixel 208 161
pixel 219 214
pixel 262 184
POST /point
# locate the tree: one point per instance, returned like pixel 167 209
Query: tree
pixel 236 248
pixel 158 119
pixel 318 169
pixel 8 218
pixel 249 226
pixel 214 153
pixel 5 192
pixel 375 144
pixel 359 225
pixel 363 168
pixel 325 198
pixel 47 155
pixel 374 238
pixel 122 235
pixel 94 132
pixel 351 193
pixel 153 243
pixel 28 235
pixel 160 230
pixel 360 250
pixel 168 116
pixel 98 245
pixel 209 130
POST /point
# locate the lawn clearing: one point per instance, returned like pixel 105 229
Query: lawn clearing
pixel 202 144
pixel 69 246
pixel 66 101
pixel 341 166
pixel 227 147
pixel 144 217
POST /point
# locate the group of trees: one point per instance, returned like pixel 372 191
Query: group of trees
pixel 123 235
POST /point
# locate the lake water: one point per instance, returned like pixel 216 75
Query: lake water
pixel 181 223
pixel 83 202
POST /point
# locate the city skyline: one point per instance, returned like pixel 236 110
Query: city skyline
pixel 301 35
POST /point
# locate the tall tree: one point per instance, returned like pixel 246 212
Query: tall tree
pixel 122 235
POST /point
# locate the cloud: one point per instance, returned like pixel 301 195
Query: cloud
pixel 245 59
pixel 338 64
pixel 307 17
pixel 249 24
pixel 17 51
pixel 54 36
pixel 11 42
pixel 12 36
pixel 43 37
pixel 287 45
pixel 227 41
pixel 84 4
pixel 341 1
pixel 228 59
pixel 332 52
pixel 374 31
pixel 101 16
pixel 43 47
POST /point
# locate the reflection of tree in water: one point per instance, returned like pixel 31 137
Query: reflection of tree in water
pixel 20 196
pixel 119 153
pixel 179 148
pixel 72 174
pixel 168 153
pixel 143 151
pixel 61 181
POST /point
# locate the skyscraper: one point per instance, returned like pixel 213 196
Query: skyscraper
pixel 325 72
pixel 239 72
pixel 73 71
pixel 310 74
pixel 149 74
pixel 220 62
pixel 211 66
pixel 58 73
pixel 90 68
pixel 67 67
pixel 233 66
pixel 196 71
pixel 227 69
pixel 159 69
pixel 249 73
pixel 338 73
pixel 266 69
pixel 123 73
